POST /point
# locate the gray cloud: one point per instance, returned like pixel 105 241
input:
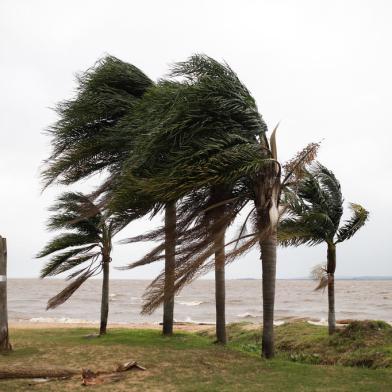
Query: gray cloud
pixel 323 68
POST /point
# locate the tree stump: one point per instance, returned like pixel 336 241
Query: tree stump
pixel 5 344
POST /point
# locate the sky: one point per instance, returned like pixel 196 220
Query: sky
pixel 321 68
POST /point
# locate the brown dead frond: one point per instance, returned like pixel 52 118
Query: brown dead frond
pixel 319 274
pixel 295 168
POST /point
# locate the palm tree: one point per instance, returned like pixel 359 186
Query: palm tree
pixel 187 121
pixel 216 138
pixel 313 216
pixel 86 243
pixel 92 134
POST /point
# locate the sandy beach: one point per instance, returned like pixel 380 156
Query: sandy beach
pixel 188 327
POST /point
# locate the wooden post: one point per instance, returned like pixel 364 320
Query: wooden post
pixel 4 339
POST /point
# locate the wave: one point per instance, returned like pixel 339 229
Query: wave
pixel 323 322
pixel 190 303
pixel 247 315
pixel 189 320
pixel 61 320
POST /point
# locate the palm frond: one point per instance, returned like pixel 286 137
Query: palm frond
pixel 68 240
pixel 66 260
pixel 84 139
pixel 66 293
pixel 319 274
pixel 296 168
pixel 352 225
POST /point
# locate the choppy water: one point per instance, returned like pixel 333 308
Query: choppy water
pixel 294 298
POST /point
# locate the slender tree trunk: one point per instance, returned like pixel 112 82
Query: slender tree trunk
pixel 170 248
pixel 105 298
pixel 267 207
pixel 5 344
pixel 220 290
pixel 331 267
pixel 268 257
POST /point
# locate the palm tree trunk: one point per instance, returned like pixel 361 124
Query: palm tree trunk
pixel 105 298
pixel 220 291
pixel 331 267
pixel 170 248
pixel 268 257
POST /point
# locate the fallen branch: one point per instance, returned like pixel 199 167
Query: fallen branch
pixel 36 373
pixel 88 376
pixel 95 378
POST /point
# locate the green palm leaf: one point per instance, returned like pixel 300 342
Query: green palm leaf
pixel 352 225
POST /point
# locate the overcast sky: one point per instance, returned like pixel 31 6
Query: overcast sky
pixel 322 68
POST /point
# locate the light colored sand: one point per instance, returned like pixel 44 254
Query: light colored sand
pixel 189 327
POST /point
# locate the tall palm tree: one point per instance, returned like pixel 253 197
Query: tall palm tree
pixel 86 244
pixel 313 216
pixel 191 120
pixel 217 138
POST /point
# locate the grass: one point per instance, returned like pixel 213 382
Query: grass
pixel 191 362
pixel 361 344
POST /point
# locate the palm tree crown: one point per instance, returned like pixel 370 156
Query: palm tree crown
pixel 315 210
pixel 85 243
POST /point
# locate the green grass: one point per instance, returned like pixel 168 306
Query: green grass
pixel 361 343
pixel 191 362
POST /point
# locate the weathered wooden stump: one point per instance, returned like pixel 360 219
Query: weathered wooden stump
pixel 5 344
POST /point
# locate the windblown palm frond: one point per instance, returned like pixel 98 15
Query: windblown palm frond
pixel 89 137
pixel 351 226
pixel 191 134
pixel 314 206
pixel 66 293
pixel 78 241
pixel 314 209
pixel 319 274
pixel 86 237
pixel 65 260
pixel 292 232
pixel 296 168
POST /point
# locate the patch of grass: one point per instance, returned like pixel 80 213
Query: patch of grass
pixel 152 338
pixel 186 362
pixel 360 343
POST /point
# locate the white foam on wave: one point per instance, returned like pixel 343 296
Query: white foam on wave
pixel 60 320
pixel 246 315
pixel 188 320
pixel 190 303
pixel 321 322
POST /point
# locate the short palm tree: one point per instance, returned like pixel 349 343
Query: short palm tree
pixel 313 216
pixel 85 244
pixel 98 132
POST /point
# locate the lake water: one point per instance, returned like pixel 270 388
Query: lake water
pixel 360 299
